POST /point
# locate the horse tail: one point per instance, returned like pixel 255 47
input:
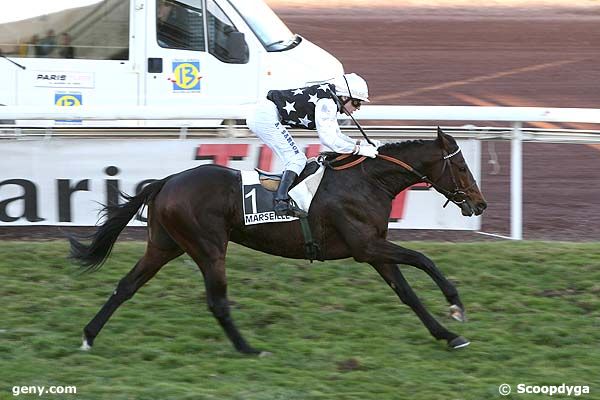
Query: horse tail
pixel 93 256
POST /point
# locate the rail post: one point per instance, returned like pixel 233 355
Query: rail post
pixel 516 182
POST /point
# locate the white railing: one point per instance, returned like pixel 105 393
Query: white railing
pixel 103 113
pixel 412 113
pixel 515 115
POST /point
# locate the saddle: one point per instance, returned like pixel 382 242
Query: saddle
pixel 270 181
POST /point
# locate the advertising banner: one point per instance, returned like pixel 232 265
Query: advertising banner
pixel 64 181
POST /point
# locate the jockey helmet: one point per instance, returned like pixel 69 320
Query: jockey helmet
pixel 353 86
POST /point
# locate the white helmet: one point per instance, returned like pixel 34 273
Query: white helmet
pixel 353 86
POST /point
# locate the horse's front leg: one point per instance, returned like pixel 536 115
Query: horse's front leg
pixel 392 275
pixel 386 252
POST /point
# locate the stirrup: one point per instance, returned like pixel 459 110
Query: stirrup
pixel 283 208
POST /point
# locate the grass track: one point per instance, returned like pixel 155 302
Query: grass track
pixel 335 329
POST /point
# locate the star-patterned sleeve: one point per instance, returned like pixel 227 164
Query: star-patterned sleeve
pixel 329 129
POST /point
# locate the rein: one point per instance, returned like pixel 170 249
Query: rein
pixel 340 158
pixel 456 196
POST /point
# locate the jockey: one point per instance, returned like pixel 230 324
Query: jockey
pixel 312 107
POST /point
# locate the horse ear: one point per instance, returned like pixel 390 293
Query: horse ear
pixel 442 140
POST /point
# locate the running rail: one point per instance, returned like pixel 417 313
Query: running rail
pixel 384 113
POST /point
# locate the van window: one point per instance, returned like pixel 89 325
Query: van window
pixel 224 40
pixel 180 24
pixel 265 24
pixel 99 31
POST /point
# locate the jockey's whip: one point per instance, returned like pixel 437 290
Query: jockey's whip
pixel 361 130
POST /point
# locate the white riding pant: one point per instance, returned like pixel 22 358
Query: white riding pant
pixel 265 124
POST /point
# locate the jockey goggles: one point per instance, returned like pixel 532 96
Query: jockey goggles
pixel 355 103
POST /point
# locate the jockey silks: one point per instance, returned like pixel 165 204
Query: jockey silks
pixel 297 106
pixel 311 107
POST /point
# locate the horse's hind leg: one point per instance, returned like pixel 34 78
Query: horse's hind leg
pixel 211 261
pixel 152 261
pixel 392 275
pixel 216 296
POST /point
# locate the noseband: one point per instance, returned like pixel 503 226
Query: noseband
pixel 457 196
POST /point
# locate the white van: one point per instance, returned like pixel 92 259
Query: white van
pixel 153 52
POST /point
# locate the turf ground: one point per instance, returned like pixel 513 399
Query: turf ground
pixel 335 329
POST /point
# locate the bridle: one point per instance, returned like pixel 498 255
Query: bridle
pixel 457 196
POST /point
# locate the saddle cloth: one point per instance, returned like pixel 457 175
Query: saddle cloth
pixel 258 199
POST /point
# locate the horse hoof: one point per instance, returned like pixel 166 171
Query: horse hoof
pixel 458 343
pixel 85 346
pixel 265 354
pixel 250 351
pixel 457 313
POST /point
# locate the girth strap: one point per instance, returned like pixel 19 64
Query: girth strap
pixel 312 250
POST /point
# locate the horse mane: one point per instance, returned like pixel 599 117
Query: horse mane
pixel 396 147
pixel 387 148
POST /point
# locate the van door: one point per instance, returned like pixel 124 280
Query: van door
pixel 7 84
pixel 198 55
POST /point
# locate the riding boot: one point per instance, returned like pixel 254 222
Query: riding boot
pixel 281 198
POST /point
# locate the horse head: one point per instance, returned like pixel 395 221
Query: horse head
pixel 449 174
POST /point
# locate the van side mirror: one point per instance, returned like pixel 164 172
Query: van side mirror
pixel 237 48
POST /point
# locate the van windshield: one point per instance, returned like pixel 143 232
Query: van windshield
pixel 267 26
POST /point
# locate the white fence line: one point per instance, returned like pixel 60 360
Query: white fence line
pixel 95 113
pixel 470 113
pixel 516 115
pixel 411 113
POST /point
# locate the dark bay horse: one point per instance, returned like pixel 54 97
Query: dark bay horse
pixel 199 211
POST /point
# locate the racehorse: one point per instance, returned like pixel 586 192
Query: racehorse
pixel 199 211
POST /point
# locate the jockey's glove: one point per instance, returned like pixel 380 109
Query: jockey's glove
pixel 366 150
pixel 376 143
